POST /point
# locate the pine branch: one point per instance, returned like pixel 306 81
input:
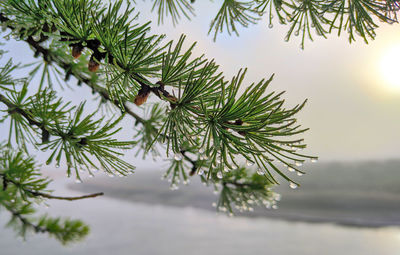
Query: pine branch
pixel 26 222
pixel 50 57
pixel 12 108
pixel 6 181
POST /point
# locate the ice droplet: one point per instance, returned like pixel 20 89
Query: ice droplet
pixel 290 169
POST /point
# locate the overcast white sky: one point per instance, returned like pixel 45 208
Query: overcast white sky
pixel 352 112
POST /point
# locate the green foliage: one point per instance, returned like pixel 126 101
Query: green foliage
pixel 242 190
pixel 210 123
pixel 21 187
pixel 305 18
pixel 175 8
pixel 231 13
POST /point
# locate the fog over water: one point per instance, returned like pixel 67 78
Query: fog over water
pixel 119 227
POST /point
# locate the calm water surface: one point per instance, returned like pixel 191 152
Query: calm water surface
pixel 120 227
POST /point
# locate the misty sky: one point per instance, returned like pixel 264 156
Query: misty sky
pixel 352 112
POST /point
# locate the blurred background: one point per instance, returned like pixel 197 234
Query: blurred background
pixel 348 202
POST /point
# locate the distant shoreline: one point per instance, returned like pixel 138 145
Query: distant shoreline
pixel 361 194
pixel 266 213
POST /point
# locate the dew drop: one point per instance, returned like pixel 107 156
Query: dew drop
pixel 178 156
pixel 296 33
pixel 249 163
pixel 290 169
pixel 260 172
pixel 214 204
pixel 287 38
pixel 173 187
pixel 91 175
pixel 78 180
pixel 226 169
pixel 57 165
pixel 299 163
pixel 200 172
pixel 219 175
pixel 270 25
pixel 293 185
pixel 274 207
pixel 314 160
pixel 299 174
pixel 204 157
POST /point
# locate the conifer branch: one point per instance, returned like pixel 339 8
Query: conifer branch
pixel 6 181
pixel 51 57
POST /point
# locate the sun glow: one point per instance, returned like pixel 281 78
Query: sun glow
pixel 390 68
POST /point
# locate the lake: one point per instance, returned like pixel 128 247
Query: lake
pixel 123 226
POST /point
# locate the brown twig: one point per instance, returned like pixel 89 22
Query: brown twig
pixel 45 195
